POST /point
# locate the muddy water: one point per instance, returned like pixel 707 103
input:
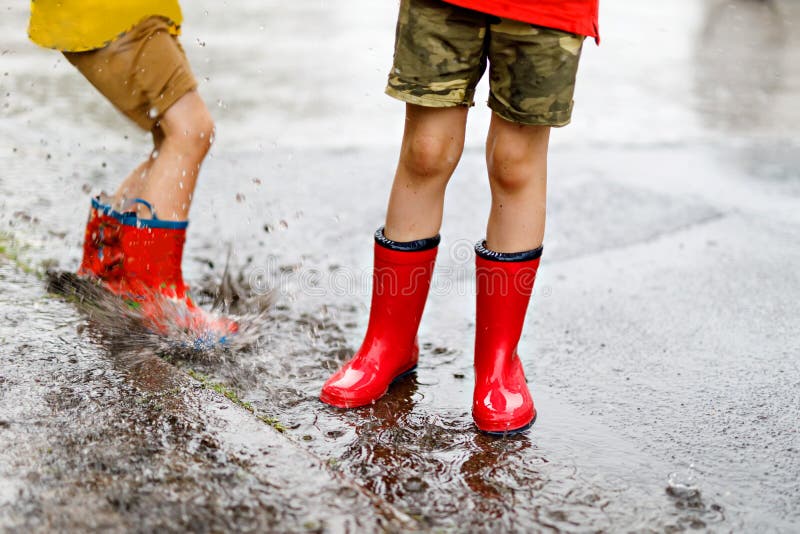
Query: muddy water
pixel 100 434
pixel 662 350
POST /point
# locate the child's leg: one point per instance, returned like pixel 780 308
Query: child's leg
pixel 188 131
pixel 132 186
pixel 146 75
pixel 532 81
pixel 439 57
pixel 405 252
pixel 505 270
pixel 516 158
pixel 432 144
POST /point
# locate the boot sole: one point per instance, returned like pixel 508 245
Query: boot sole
pixel 345 404
pixel 504 433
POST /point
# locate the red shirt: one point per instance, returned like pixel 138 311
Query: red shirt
pixel 574 16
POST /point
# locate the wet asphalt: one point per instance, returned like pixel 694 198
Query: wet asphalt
pixel 662 347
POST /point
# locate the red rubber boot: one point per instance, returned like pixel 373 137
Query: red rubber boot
pixel 501 402
pixel 153 281
pixel 102 255
pixel 401 279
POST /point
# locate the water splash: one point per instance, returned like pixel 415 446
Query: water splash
pixel 684 489
pixel 124 329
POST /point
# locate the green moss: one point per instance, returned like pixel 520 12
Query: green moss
pixel 274 423
pixel 231 395
pixel 10 250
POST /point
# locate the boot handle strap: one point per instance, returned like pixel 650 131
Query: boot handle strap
pixel 131 202
pixel 132 219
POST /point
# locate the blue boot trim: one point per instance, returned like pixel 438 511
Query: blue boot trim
pixel 129 218
pixel 146 204
pixel 133 220
pixel 105 208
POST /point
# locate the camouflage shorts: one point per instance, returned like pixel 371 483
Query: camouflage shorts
pixel 441 51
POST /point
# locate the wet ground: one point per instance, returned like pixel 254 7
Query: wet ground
pixel 102 437
pixel 662 347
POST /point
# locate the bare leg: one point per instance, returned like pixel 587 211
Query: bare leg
pixel 132 186
pixel 432 144
pixel 516 158
pixel 187 130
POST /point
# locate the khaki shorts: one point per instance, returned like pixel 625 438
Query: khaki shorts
pixel 142 73
pixel 441 51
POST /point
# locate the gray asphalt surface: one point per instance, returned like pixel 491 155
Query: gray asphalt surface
pixel 662 347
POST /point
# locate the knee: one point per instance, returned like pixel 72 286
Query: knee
pixel 512 164
pixel 428 157
pixel 201 132
pixel 194 133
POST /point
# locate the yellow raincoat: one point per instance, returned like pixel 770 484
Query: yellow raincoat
pixel 81 25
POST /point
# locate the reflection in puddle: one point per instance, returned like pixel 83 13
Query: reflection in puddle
pixel 426 458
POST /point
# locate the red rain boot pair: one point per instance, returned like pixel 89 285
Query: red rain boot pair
pixel 402 274
pixel 140 260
